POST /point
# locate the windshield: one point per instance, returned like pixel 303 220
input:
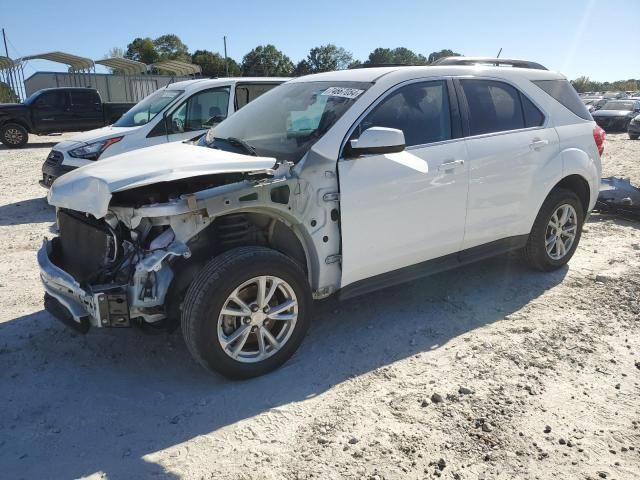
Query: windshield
pixel 147 109
pixel 285 122
pixel 618 106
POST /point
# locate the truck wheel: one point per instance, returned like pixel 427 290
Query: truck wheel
pixel 13 135
pixel 246 312
pixel 556 232
pixel 633 136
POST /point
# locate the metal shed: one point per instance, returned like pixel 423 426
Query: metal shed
pixel 178 68
pixel 135 85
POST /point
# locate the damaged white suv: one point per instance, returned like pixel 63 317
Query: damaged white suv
pixel 345 182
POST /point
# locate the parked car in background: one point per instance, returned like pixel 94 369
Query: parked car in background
pixel 615 95
pixel 177 112
pixel 615 115
pixel 347 181
pixel 56 110
pixel 634 128
pixel 593 103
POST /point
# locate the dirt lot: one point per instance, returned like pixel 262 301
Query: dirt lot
pixel 490 372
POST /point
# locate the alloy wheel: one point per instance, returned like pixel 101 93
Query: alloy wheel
pixel 561 231
pixel 257 319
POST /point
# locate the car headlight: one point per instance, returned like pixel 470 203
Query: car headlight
pixel 92 151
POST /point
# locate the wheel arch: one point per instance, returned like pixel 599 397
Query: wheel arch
pixel 578 185
pixel 239 228
pixel 17 121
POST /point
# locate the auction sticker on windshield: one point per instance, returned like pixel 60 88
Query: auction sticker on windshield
pixel 342 92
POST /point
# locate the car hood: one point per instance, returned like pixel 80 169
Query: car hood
pixel 611 113
pixel 94 136
pixel 88 189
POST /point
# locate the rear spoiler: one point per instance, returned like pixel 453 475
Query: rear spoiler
pixel 496 62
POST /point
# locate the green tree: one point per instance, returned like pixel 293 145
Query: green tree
pixel 212 64
pixel 7 95
pixel 142 50
pixel 395 56
pixel 267 61
pixel 170 47
pixel 326 58
pixel 433 56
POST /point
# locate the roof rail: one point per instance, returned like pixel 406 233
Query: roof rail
pixel 496 62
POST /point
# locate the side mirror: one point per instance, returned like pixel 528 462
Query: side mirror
pixel 377 140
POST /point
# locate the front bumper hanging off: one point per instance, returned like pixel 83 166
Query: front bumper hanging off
pixel 77 308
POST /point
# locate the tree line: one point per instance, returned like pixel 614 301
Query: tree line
pixel 267 60
pixel 584 84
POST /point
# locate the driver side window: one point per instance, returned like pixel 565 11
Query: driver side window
pixel 200 111
pixel 420 110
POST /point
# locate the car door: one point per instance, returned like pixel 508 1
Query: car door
pixel 197 114
pixel 511 147
pixel 405 208
pixel 50 111
pixel 85 110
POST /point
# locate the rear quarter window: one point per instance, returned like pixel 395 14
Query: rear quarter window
pixel 564 93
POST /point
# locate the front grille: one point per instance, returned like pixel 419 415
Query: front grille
pixel 87 245
pixel 54 158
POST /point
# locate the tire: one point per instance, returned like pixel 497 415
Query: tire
pixel 13 135
pixel 205 327
pixel 535 252
pixel 634 136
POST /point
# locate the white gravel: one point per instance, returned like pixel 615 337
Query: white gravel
pixel 510 352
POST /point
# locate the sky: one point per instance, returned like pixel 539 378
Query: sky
pixel 576 37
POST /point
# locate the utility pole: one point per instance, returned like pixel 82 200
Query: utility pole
pixel 226 62
pixel 12 81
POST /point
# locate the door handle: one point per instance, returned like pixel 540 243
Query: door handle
pixel 537 143
pixel 451 164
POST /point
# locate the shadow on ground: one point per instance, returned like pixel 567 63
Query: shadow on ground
pixel 75 405
pixel 33 210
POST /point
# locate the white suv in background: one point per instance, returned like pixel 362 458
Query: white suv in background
pixel 177 112
pixel 345 182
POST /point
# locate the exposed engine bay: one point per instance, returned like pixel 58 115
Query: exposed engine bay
pixel 133 265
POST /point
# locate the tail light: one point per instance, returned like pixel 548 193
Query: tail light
pixel 599 136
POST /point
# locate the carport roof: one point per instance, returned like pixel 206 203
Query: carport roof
pixel 75 62
pixel 178 68
pixel 123 64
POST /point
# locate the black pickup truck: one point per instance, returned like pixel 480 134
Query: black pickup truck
pixel 55 110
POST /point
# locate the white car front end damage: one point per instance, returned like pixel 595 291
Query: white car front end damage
pixel 125 222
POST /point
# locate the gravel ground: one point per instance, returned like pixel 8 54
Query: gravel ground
pixel 489 372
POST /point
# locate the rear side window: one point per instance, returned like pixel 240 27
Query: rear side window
pixel 84 98
pixel 493 106
pixel 248 93
pixel 532 116
pixel 563 92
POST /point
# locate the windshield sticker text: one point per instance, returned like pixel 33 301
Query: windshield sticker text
pixel 342 92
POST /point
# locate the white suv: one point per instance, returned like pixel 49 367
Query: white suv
pixel 345 182
pixel 180 111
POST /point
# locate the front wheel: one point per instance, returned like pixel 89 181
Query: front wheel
pixel 556 232
pixel 13 135
pixel 246 312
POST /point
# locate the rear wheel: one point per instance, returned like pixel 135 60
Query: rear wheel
pixel 246 312
pixel 13 135
pixel 556 232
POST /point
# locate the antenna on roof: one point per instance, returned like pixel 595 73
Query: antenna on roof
pixel 499 52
